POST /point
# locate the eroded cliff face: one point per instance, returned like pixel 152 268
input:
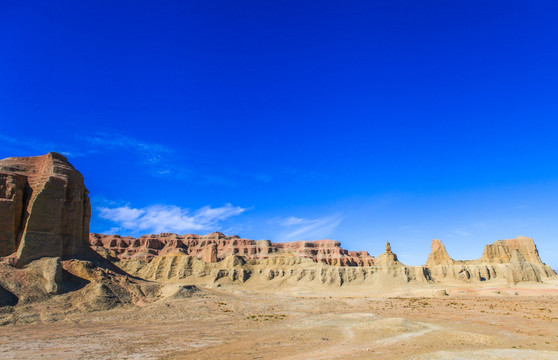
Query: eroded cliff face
pixel 502 251
pixel 217 258
pixel 280 270
pixel 438 255
pixel 44 240
pixel 515 260
pixel 217 246
pixel 44 209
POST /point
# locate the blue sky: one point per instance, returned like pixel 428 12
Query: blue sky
pixel 362 122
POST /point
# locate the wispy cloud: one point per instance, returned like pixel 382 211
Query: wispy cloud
pixel 168 218
pixel 156 156
pixel 153 152
pixel 308 229
pixel 291 220
pixel 153 158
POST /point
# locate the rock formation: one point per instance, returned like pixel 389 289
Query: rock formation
pixel 514 259
pixel 148 246
pixel 216 257
pixel 501 251
pixel 388 258
pixel 46 251
pixel 438 255
pixel 44 209
pixel 44 239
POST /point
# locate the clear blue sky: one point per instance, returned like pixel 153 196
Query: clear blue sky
pixel 358 121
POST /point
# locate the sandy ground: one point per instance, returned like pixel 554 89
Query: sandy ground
pixel 227 323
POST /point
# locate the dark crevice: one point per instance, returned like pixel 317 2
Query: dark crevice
pixel 7 298
pixel 27 194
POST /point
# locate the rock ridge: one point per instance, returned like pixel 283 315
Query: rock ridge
pixel 203 257
pixel 217 246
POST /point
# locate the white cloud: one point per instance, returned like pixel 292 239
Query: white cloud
pixel 168 218
pixel 309 229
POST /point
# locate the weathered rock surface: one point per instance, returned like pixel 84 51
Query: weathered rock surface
pixel 44 240
pixel 217 246
pixel 388 258
pixel 501 251
pixel 217 258
pixel 279 270
pixel 504 258
pixel 438 255
pixel 44 209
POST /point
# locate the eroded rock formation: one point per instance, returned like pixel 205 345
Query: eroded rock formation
pixel 216 257
pixel 501 251
pixel 514 259
pixel 217 246
pixel 46 251
pixel 44 209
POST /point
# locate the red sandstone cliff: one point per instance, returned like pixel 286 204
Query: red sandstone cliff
pixel 216 246
pixel 44 208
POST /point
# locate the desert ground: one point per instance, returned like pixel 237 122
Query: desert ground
pixel 228 322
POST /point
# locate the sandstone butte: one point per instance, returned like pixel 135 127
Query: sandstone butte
pixel 46 249
pixel 44 209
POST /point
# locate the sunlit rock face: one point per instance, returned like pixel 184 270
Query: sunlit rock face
pixel 513 260
pixel 44 209
pixel 217 246
pixel 501 251
pixel 214 257
pixel 438 255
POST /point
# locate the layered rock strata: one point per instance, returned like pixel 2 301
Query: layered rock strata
pixel 44 209
pixel 513 259
pixel 217 246
pixel 219 258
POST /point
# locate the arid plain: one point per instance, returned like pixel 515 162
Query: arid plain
pixel 221 323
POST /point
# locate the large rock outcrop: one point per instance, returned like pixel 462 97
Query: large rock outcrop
pixel 388 258
pixel 438 255
pixel 44 209
pixel 203 259
pixel 501 251
pixel 514 260
pixel 217 246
